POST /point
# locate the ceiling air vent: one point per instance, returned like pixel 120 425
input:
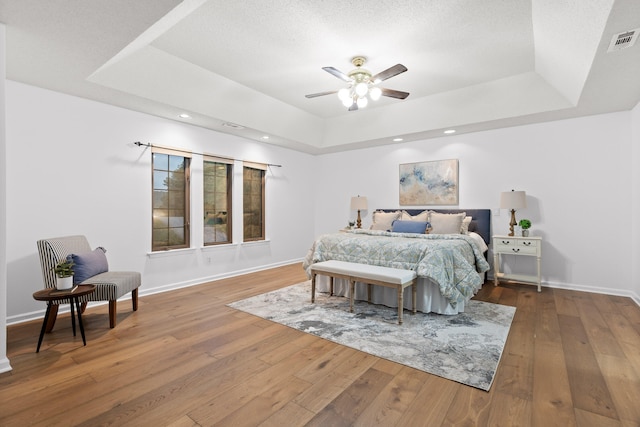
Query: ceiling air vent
pixel 232 125
pixel 623 40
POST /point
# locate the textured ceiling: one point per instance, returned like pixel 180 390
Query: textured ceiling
pixel 471 65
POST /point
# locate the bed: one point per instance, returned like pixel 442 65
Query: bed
pixel 450 265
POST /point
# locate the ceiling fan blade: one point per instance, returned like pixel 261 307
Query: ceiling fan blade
pixel 394 93
pixel 339 74
pixel 314 95
pixel 388 73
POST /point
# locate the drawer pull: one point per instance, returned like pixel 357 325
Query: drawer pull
pixel 516 249
pixel 505 242
pixel 526 243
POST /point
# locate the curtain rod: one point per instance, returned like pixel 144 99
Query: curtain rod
pixel 140 144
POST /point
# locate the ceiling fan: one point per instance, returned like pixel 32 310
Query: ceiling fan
pixel 363 85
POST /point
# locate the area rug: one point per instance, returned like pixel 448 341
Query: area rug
pixel 465 347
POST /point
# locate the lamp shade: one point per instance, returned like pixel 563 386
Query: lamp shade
pixel 358 203
pixel 513 200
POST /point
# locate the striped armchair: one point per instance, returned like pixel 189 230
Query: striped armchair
pixel 109 286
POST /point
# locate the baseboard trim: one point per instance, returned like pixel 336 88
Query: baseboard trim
pixel 592 289
pixel 5 366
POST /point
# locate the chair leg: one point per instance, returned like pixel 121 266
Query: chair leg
pixel 52 318
pixel 134 299
pixel 112 314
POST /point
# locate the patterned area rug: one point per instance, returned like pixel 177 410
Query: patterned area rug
pixel 465 348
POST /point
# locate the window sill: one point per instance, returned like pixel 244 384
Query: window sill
pixel 256 242
pixel 211 248
pixel 171 252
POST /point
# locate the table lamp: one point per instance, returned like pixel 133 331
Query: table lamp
pixel 513 200
pixel 358 203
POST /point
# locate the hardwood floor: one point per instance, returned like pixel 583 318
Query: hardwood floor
pixel 185 359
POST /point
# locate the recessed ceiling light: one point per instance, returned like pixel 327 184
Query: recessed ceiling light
pixel 184 116
pixel 397 139
pixel 449 131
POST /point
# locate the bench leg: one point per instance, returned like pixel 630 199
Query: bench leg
pixel 331 286
pixel 400 303
pixel 313 288
pixel 352 291
pixel 414 291
pixel 112 313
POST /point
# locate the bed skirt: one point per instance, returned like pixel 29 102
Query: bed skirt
pixel 428 299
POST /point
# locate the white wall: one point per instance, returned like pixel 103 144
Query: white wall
pixel 72 169
pixel 577 175
pixel 4 362
pixel 635 199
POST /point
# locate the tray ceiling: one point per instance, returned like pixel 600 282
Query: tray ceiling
pixel 471 65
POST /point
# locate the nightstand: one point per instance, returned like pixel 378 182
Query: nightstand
pixel 520 246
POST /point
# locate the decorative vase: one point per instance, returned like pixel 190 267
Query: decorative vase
pixel 525 233
pixel 64 282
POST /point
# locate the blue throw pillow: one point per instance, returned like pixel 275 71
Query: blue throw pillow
pixel 88 264
pixel 419 227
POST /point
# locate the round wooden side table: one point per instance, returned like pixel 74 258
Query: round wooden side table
pixel 51 294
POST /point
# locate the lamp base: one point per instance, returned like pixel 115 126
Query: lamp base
pixel 513 222
pixel 358 221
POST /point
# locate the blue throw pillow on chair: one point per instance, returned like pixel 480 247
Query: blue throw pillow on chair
pixel 419 227
pixel 88 264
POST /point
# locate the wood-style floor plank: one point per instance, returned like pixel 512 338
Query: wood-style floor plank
pixel 588 387
pixel 186 359
pixel 353 401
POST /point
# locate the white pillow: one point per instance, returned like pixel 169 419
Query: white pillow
pixel 464 228
pixel 384 220
pixel 446 223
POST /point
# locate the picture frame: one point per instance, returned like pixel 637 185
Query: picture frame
pixel 429 183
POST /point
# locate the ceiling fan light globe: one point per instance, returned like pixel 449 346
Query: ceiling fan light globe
pixel 347 102
pixel 362 89
pixel 375 93
pixel 362 102
pixel 344 95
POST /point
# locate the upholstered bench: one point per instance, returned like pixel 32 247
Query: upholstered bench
pixel 369 274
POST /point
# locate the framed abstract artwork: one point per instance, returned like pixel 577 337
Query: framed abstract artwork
pixel 429 183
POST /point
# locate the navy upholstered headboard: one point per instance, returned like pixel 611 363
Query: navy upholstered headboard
pixel 481 222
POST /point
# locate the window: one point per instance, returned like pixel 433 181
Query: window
pixel 217 176
pixel 170 223
pixel 253 201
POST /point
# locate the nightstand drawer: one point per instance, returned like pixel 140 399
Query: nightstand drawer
pixel 503 244
pixel 529 244
pixel 516 246
pixel 521 250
